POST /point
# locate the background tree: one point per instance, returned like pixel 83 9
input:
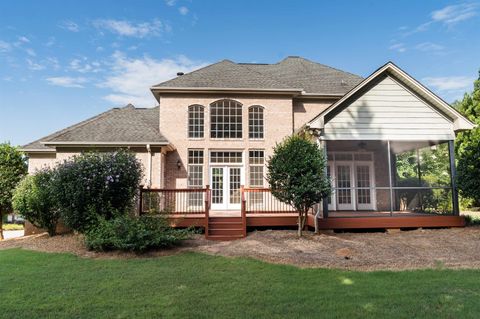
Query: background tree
pixel 296 174
pixel 467 146
pixel 12 169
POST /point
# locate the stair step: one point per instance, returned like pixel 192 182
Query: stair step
pixel 225 219
pixel 225 225
pixel 221 237
pixel 225 232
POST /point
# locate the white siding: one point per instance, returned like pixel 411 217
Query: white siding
pixel 388 111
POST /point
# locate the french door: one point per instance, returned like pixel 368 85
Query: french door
pixel 352 182
pixel 225 182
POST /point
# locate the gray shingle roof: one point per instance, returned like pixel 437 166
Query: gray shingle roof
pixel 290 73
pixel 118 125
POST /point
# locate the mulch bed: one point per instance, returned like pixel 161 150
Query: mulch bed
pixel 395 250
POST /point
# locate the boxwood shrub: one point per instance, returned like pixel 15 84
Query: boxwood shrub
pixel 136 234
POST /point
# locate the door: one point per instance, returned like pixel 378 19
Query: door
pixel 225 182
pixel 344 193
pixel 364 180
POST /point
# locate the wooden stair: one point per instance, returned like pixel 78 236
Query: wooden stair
pixel 225 228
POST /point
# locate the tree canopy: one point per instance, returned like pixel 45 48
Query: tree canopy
pixel 12 169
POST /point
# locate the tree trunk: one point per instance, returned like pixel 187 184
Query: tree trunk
pixel 300 228
pixel 1 224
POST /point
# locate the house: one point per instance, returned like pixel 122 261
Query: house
pixel 204 147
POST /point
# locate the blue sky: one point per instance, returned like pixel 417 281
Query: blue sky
pixel 64 61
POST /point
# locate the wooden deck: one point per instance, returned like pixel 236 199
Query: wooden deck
pixel 336 220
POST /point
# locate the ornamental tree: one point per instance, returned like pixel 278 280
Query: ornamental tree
pixel 297 177
pixel 12 170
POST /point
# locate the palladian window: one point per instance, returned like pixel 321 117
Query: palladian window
pixel 226 119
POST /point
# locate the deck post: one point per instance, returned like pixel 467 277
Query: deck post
pixel 243 210
pixel 207 208
pixel 453 178
pixel 390 176
pixel 325 171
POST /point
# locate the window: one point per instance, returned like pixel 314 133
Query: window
pixel 196 121
pixel 226 119
pixel 255 122
pixel 195 176
pixel 226 157
pixel 256 159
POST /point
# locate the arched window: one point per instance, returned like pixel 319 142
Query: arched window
pixel 196 121
pixel 255 122
pixel 226 119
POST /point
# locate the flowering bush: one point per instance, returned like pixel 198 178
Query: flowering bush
pixel 95 185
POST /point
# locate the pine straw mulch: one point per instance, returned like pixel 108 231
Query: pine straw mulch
pixel 395 250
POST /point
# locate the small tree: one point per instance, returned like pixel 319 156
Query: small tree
pixel 296 174
pixel 12 170
pixel 34 199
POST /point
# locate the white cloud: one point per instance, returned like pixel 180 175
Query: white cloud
pixel 31 52
pixel 129 29
pixel 67 81
pixel 69 25
pixel 455 13
pixel 399 47
pixel 183 11
pixel 53 62
pixel 170 3
pixel 4 46
pixel 131 78
pixel 429 46
pixel 50 42
pixel 23 39
pixel 83 66
pixel 34 66
pixel 449 83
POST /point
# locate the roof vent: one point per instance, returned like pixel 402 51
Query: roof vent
pixel 343 83
pixel 180 73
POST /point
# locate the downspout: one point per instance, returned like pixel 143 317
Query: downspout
pixel 149 166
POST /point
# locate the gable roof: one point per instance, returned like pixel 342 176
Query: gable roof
pixel 118 126
pixel 293 74
pixel 460 122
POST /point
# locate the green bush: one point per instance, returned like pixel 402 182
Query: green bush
pixel 95 185
pixel 34 199
pixel 133 234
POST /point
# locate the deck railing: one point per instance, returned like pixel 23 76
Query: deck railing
pixel 261 201
pixel 174 201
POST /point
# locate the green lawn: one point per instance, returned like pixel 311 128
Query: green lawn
pixel 39 285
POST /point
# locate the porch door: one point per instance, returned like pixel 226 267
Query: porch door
pixel 364 180
pixel 344 183
pixel 225 182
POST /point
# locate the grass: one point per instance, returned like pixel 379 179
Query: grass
pixel 190 285
pixel 12 227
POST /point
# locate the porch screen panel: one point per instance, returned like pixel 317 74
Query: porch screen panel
pixel 195 176
pixel 344 184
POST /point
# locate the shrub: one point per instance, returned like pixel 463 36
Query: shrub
pixel 34 199
pixel 133 234
pixel 96 185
